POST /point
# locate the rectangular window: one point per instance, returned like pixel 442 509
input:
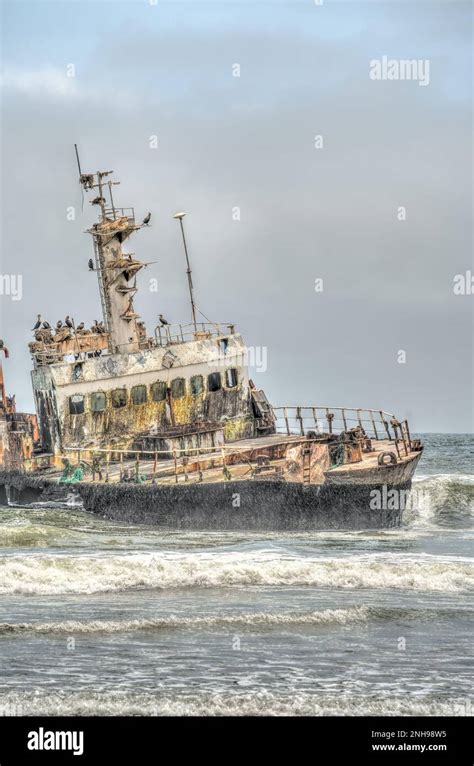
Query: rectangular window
pixel 139 394
pixel 231 379
pixel 223 343
pixel 77 371
pixel 98 401
pixel 119 398
pixel 197 385
pixel 177 388
pixel 214 381
pixel 158 391
pixel 76 404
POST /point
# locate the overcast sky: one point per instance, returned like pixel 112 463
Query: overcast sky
pixel 248 142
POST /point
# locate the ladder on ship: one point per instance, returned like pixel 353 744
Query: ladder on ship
pixel 306 453
pixel 104 298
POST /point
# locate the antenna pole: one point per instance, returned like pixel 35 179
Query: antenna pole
pixel 78 161
pixel 101 193
pixel 112 199
pixel 180 216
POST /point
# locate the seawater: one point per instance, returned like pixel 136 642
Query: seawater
pixel 98 617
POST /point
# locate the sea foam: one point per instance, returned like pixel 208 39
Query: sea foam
pixel 62 574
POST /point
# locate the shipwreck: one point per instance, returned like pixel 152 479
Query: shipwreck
pixel 167 428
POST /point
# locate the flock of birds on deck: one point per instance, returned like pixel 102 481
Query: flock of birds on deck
pixel 97 327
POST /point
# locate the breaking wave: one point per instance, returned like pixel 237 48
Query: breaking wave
pixel 259 620
pixel 256 619
pixel 446 498
pixel 30 535
pixel 56 574
pixel 258 703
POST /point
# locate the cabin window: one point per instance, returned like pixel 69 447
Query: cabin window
pixel 139 394
pixel 231 378
pixel 77 371
pixel 214 381
pixel 223 343
pixel 158 391
pixel 119 398
pixel 177 388
pixel 98 402
pixel 76 404
pixel 197 385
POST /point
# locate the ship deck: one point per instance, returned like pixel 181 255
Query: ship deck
pixel 242 462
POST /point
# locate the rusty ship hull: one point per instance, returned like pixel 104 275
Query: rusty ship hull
pixel 343 499
pixel 263 506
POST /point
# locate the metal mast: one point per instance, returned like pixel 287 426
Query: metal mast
pixel 116 270
pixel 180 217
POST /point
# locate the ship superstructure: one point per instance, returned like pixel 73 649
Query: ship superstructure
pixel 110 385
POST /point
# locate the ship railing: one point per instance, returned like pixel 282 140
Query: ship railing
pixel 77 346
pixel 181 463
pixel 51 356
pixel 376 424
pixel 112 464
pixel 120 212
pixel 172 334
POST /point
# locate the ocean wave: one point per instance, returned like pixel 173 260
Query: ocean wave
pixel 450 485
pixel 248 703
pixel 56 574
pixel 30 535
pixel 258 620
pixel 462 478
pixel 255 619
pixel 447 500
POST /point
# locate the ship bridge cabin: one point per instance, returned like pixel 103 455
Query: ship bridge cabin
pixel 184 388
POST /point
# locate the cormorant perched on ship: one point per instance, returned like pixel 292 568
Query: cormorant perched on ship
pixel 38 324
pixel 59 325
pixel 80 327
pixel 46 325
pixel 69 323
pixel 4 349
pixel 146 220
pixel 91 264
pixel 96 328
pixel 163 320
